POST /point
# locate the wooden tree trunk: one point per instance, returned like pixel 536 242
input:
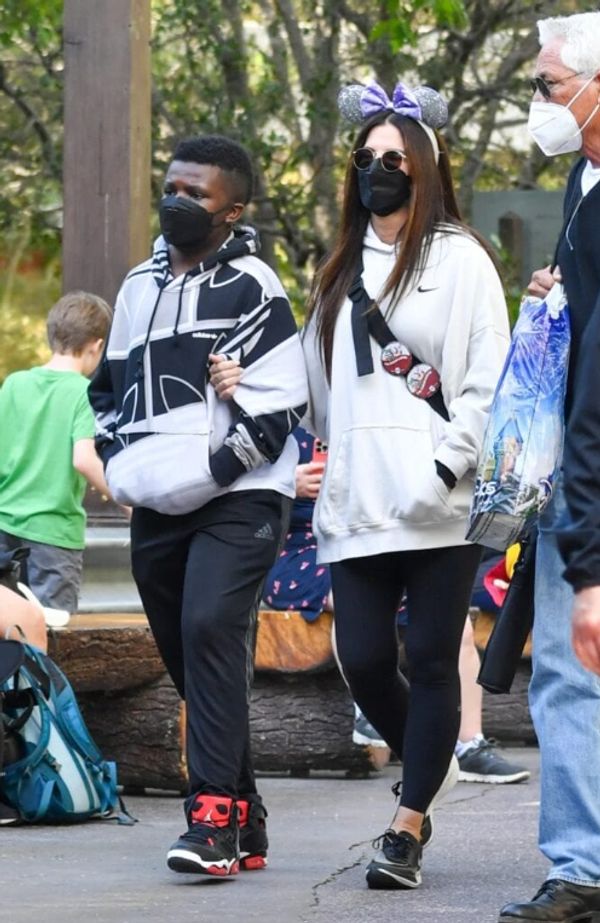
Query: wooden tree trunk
pixel 107 158
pixel 142 729
pixel 304 722
pixel 296 724
pixel 301 719
pixel 106 653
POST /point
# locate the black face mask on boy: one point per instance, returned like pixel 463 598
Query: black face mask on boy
pixel 184 223
pixel 383 192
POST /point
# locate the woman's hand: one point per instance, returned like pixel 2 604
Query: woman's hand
pixel 225 375
pixel 308 480
pixel 542 281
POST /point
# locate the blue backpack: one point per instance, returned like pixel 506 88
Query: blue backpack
pixel 50 768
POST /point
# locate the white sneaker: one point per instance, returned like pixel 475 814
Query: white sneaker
pixel 364 734
pixel 54 618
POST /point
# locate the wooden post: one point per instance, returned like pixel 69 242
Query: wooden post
pixel 511 231
pixel 107 142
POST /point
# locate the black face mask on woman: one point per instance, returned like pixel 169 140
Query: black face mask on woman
pixel 185 224
pixel 383 192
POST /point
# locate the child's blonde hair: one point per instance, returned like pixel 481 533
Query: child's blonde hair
pixel 75 320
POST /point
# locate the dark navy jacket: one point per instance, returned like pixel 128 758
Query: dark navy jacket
pixel 578 255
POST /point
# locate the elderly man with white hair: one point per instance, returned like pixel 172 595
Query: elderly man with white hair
pixel 564 694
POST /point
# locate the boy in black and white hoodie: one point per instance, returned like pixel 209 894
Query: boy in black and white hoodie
pixel 208 479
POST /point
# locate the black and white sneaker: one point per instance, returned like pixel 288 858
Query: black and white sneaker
pixel 397 864
pixel 210 844
pixel 482 763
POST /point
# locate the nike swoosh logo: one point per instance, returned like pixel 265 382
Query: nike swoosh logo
pixel 434 289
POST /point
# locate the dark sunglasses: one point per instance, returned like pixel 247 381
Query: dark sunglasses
pixel 391 161
pixel 545 87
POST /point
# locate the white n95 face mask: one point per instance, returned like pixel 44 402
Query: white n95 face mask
pixel 554 128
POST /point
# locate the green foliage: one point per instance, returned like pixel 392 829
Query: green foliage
pixel 22 19
pixel 267 72
pixel 405 20
pixel 26 297
pixel 511 283
pixel 30 165
pixel 31 117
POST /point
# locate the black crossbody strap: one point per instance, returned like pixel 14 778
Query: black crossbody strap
pixel 368 321
pixel 360 326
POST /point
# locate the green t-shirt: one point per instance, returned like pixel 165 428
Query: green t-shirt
pixel 43 412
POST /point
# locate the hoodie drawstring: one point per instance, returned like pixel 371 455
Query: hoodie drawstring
pixel 139 372
pixel 186 275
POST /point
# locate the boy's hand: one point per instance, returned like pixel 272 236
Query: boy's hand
pixel 225 375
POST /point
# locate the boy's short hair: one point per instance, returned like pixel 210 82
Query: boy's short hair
pixel 75 320
pixel 221 152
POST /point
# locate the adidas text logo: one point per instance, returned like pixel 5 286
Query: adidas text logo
pixel 265 532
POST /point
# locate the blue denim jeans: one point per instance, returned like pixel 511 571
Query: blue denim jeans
pixel 565 707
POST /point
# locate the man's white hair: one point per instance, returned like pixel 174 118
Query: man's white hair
pixel 581 34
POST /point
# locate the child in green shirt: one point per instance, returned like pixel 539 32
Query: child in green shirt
pixel 47 451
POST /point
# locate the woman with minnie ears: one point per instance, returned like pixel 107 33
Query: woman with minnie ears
pixel 407 332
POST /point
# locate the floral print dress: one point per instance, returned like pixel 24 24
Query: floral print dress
pixel 296 581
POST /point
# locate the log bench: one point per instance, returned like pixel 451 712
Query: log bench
pixel 301 715
pixel 130 705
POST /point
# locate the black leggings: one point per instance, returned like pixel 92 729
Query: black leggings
pixel 420 724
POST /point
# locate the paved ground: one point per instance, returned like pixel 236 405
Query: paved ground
pixel 320 828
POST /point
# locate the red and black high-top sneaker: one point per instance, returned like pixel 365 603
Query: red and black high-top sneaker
pixel 210 844
pixel 253 832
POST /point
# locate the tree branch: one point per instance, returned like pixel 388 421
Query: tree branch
pixel 297 44
pixel 43 135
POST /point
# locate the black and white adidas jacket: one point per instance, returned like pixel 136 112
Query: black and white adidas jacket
pixel 167 441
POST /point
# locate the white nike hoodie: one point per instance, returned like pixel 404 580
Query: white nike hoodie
pixel 381 491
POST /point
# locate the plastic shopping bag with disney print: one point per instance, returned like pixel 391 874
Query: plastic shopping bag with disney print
pixel 522 447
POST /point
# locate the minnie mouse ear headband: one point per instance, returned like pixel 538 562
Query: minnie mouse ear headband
pixel 423 104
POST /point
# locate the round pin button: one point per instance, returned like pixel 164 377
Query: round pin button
pixel 396 358
pixel 423 381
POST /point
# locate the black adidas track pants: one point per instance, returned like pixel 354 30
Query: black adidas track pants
pixel 199 576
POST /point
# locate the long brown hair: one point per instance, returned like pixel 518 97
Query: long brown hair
pixel 432 203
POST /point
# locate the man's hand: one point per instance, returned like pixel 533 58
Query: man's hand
pixel 308 480
pixel 542 281
pixel 586 627
pixel 225 375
